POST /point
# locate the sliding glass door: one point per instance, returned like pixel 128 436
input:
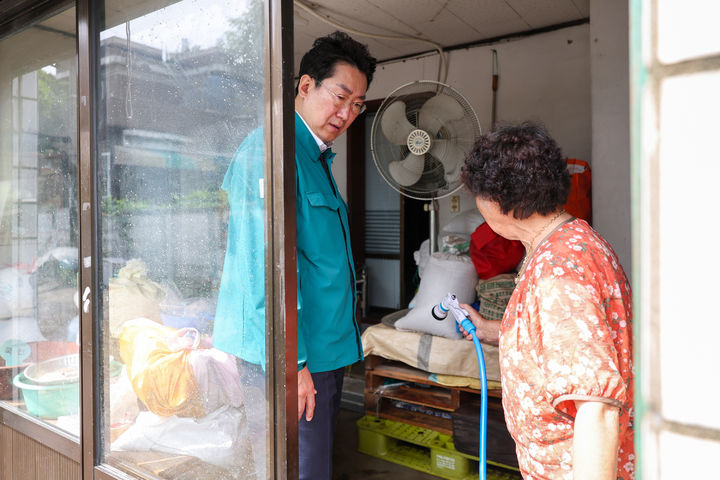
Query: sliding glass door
pixel 147 265
pixel 180 169
pixel 39 362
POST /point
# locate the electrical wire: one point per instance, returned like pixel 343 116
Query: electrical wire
pixel 442 68
pixel 494 88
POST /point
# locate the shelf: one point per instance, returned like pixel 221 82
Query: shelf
pixel 382 367
pixel 439 424
pixel 429 401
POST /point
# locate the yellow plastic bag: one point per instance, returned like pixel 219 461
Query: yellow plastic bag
pixel 157 360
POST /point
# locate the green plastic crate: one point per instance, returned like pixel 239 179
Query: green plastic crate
pixel 421 449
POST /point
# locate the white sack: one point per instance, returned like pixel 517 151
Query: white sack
pixel 445 273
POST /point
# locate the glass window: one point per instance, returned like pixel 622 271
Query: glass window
pixel 180 160
pixel 39 363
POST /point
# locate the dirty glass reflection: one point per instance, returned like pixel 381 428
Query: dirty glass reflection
pixel 181 87
pixel 39 371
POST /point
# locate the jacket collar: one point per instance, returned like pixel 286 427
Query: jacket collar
pixel 305 139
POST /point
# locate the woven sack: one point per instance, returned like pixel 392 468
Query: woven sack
pixel 494 294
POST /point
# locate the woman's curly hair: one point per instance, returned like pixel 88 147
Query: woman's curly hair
pixel 521 168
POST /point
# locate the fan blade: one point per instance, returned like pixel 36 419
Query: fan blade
pixel 451 155
pixel 438 111
pixel 394 124
pixel 408 171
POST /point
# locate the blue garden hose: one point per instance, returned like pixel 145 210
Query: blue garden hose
pixel 440 311
pixel 470 328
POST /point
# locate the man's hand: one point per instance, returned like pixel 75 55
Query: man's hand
pixel 306 394
pixel 487 330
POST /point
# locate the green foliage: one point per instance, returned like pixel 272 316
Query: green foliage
pixel 244 41
pixel 116 206
pixel 54 109
pixel 197 200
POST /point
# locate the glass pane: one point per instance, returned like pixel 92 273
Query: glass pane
pixel 39 370
pixel 687 30
pixel 181 88
pixel 681 94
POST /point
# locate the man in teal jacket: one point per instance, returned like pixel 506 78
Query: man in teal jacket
pixel 334 77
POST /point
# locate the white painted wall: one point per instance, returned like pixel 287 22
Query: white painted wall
pixel 547 78
pixel 544 78
pixel 610 87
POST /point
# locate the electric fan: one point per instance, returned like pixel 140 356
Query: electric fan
pixel 419 139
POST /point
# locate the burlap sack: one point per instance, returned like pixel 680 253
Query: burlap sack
pixel 432 353
pixel 494 294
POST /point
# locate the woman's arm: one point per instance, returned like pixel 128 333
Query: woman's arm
pixel 595 442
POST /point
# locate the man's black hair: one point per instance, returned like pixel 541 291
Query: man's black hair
pixel 319 62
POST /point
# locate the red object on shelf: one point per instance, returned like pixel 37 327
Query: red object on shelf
pixel 492 254
pixel 579 202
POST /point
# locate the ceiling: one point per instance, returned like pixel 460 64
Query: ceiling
pixel 446 22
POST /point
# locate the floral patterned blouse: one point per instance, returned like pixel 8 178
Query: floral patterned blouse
pixel 566 335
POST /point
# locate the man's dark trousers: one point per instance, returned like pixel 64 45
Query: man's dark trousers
pixel 316 436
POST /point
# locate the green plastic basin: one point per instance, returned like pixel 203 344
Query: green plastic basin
pixel 49 401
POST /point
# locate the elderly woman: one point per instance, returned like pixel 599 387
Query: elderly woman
pixel 566 337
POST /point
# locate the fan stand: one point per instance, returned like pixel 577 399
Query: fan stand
pixel 432 207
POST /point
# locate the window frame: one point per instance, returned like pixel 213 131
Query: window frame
pixel 280 256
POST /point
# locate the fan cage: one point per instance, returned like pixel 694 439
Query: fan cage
pixel 463 132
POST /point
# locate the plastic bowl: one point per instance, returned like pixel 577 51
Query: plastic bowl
pixel 56 371
pixel 39 352
pixel 49 401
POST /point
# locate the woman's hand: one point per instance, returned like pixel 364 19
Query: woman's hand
pixel 487 330
pixel 595 441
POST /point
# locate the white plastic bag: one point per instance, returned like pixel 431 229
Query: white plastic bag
pixel 17 293
pixel 421 256
pixel 220 438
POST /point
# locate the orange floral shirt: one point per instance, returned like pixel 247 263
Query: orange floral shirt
pixel 566 335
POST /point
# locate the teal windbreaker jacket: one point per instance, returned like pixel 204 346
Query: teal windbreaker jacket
pixel 328 335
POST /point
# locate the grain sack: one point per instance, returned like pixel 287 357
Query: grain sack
pixel 432 353
pixel 494 294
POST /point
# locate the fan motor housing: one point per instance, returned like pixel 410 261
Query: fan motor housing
pixel 419 142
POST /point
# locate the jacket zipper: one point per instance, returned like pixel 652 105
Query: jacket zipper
pixel 326 168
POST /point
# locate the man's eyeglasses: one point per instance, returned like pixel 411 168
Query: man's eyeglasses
pixel 341 100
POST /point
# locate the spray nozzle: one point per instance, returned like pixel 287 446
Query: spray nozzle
pixel 440 311
pixel 450 304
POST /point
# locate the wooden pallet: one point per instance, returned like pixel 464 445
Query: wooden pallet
pixel 424 450
pixel 419 391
